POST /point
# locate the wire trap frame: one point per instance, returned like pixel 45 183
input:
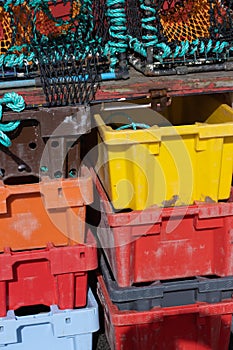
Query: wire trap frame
pixel 180 36
pixel 74 43
pixel 17 60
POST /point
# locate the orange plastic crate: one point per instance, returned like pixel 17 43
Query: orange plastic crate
pixel 53 211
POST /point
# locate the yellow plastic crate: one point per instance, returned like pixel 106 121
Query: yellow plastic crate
pixel 165 165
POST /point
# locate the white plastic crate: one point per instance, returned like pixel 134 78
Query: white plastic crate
pixel 57 329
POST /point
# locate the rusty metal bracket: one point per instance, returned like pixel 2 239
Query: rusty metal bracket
pixel 159 99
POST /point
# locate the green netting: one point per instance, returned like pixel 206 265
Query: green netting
pixel 40 26
pixel 180 32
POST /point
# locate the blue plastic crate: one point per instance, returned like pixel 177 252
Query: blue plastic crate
pixel 57 329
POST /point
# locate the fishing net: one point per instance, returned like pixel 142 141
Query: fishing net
pixel 68 52
pixel 180 32
pixel 71 44
pixel 15 33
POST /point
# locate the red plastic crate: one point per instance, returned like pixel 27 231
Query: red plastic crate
pixel 54 275
pixel 166 243
pixel 53 210
pixel 200 326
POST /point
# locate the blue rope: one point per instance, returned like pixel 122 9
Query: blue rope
pixel 17 104
pixel 194 47
pixel 164 51
pixel 12 2
pixel 137 46
pixel 117 18
pixel 182 49
pixel 209 46
pixel 131 124
pixel 134 126
pixel 150 39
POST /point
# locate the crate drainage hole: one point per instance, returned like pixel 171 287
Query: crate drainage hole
pixel 57 174
pixel 73 172
pixel 22 180
pixel 32 310
pixel 32 145
pixel 54 144
pixel 44 169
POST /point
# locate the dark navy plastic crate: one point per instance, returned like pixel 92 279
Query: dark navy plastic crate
pixel 143 297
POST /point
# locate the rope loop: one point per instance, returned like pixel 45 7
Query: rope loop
pixel 16 103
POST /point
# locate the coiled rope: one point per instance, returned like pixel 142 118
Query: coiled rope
pixel 162 50
pixel 15 102
pixel 117 18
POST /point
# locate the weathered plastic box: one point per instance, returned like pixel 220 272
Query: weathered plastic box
pixel 166 243
pixel 53 210
pixel 53 275
pixel 57 329
pixel 166 293
pixel 164 165
pixel 191 327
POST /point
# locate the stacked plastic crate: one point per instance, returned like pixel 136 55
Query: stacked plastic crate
pixel 46 252
pixel 166 224
pixel 46 248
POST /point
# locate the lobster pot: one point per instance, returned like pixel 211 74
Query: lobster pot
pixel 16 56
pixel 70 44
pixel 178 37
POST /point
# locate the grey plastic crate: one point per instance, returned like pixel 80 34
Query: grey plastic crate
pixel 167 293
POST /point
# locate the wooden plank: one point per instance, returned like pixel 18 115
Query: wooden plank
pixel 177 85
pixel 139 85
